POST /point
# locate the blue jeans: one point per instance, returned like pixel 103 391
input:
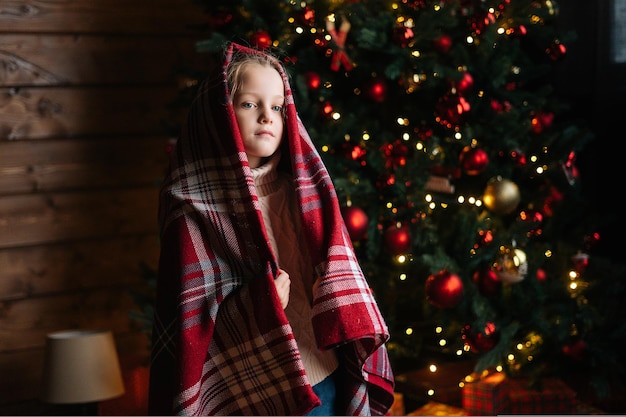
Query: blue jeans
pixel 325 390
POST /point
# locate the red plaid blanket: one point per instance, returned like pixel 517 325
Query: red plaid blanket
pixel 221 341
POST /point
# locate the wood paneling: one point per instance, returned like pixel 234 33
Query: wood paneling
pixel 28 272
pixel 38 59
pixel 47 218
pixel 161 17
pixel 37 113
pixel 28 166
pixel 87 93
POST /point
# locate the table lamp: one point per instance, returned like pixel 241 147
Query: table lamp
pixel 81 367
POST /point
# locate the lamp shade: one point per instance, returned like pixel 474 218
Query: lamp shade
pixel 81 366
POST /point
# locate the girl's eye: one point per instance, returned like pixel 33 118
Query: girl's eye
pixel 277 108
pixel 247 105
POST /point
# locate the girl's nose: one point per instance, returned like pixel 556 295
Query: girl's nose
pixel 266 116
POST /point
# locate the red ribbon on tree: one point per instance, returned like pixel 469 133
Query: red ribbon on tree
pixel 339 37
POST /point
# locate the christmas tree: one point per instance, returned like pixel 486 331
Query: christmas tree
pixel 455 163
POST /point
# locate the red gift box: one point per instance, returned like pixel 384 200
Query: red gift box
pixel 552 396
pixel 486 396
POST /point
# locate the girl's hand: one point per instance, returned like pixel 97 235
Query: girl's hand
pixel 283 284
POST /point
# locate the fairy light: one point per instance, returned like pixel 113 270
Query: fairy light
pixel 403 277
pixel 408 331
pixel 432 368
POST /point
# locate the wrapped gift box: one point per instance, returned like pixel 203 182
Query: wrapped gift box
pixel 486 396
pixel 552 396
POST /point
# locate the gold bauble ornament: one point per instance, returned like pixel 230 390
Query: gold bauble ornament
pixel 501 195
pixel 510 264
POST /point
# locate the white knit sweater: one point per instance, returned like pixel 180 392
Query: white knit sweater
pixel 282 222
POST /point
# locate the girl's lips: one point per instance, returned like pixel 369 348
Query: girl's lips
pixel 265 133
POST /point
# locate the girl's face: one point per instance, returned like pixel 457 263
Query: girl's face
pixel 258 105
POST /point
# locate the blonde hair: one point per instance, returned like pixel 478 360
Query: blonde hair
pixel 240 63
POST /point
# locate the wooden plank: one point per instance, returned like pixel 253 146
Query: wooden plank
pixel 35 59
pixel 33 318
pixel 101 16
pixel 35 219
pixel 51 269
pixel 67 164
pixel 35 113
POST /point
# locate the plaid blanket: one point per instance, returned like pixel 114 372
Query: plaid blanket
pixel 222 344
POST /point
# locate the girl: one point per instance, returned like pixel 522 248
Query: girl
pixel 262 308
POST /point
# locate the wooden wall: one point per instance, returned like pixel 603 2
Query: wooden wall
pixel 85 88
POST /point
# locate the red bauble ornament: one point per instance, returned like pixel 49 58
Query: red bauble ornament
pixel 313 80
pixel 443 43
pixel 261 39
pixel 444 289
pixel 403 35
pixel 356 222
pixel 480 342
pixel 397 240
pixel 376 89
pixel 487 282
pixel 473 160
